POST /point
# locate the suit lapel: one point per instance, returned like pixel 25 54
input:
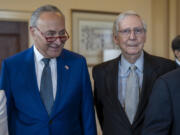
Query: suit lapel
pixel 112 89
pixel 112 81
pixel 63 71
pixel 149 75
pixel 30 73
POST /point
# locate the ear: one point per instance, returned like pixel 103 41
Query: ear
pixel 32 31
pixel 115 39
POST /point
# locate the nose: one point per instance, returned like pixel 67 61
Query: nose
pixel 132 35
pixel 58 41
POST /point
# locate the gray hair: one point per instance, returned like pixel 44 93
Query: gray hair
pixel 121 16
pixel 40 10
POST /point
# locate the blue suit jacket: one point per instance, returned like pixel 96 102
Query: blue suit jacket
pixel 72 113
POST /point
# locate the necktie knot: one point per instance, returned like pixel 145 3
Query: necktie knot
pixel 133 67
pixel 46 61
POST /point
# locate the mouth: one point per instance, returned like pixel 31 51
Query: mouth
pixel 132 45
pixel 55 48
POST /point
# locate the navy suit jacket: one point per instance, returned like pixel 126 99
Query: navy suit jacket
pixel 72 113
pixel 163 112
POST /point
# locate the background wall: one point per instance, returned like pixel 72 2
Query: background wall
pixel 162 17
pixel 143 7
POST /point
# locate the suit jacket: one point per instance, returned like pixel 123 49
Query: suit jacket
pixel 163 112
pixel 177 65
pixel 72 112
pixel 112 117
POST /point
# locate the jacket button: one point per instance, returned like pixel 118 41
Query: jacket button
pixel 50 122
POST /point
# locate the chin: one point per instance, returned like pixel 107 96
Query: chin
pixel 133 52
pixel 54 53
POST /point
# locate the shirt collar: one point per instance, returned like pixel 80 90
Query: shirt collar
pixel 39 57
pixel 125 64
pixel 140 62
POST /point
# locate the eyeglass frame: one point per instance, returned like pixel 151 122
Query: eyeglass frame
pixel 136 31
pixel 56 37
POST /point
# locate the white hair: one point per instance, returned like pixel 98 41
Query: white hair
pixel 122 15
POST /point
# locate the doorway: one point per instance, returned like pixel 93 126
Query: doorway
pixel 13 38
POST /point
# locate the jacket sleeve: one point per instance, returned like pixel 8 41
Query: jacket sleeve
pixel 158 117
pixel 87 106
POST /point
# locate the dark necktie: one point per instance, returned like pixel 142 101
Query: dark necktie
pixel 132 94
pixel 46 88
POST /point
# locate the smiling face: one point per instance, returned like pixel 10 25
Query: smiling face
pixel 49 24
pixel 131 36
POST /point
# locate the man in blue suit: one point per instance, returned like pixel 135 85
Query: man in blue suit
pixel 47 87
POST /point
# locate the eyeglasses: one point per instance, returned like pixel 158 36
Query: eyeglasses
pixel 136 31
pixel 51 39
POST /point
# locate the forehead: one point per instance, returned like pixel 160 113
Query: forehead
pixel 130 21
pixel 51 20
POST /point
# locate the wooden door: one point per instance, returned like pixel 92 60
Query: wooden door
pixel 13 38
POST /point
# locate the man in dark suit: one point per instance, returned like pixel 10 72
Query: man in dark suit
pixel 47 87
pixel 122 86
pixel 163 112
pixel 176 49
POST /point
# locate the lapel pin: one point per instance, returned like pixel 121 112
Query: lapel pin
pixel 66 67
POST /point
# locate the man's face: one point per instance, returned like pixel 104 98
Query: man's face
pixel 131 36
pixel 48 33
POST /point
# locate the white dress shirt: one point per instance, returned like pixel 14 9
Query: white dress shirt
pixel 3 114
pixel 39 65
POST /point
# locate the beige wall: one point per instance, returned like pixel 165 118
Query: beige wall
pixel 161 16
pixel 165 26
pixel 143 7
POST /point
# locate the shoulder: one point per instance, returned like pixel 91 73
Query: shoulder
pixel 168 82
pixel 66 54
pixel 106 65
pixel 161 65
pixel 172 75
pixel 19 57
pixel 105 68
pixel 157 59
pixel 72 58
